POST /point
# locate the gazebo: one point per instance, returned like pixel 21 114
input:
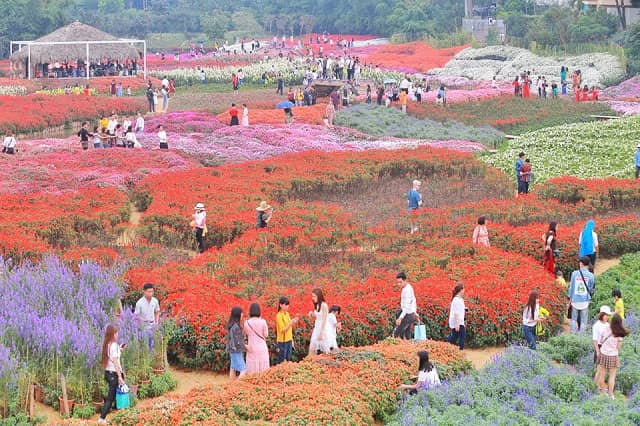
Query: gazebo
pixel 76 43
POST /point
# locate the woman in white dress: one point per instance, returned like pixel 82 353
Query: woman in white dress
pixel 320 313
pixel 245 115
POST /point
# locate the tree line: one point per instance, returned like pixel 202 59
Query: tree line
pixel 526 21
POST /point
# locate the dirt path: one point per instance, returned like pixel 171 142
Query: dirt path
pixel 603 265
pixel 128 236
pixel 188 380
pixel 481 357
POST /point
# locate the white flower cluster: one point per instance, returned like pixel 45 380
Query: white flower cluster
pixel 13 90
pixel 505 62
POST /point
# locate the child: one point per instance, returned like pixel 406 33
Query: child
pixel 284 332
pixel 333 328
pixel 560 281
pixel 427 375
pixel 235 344
pixel 97 141
pixel 554 90
pixel 162 135
pixel 618 303
pixel 128 90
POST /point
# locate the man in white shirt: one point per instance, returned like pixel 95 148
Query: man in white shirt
pixel 407 308
pixel 165 82
pixel 148 314
pixel 9 143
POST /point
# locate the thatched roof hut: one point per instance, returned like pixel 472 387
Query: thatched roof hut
pixel 76 32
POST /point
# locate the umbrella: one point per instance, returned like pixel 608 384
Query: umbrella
pixel 390 81
pixel 284 105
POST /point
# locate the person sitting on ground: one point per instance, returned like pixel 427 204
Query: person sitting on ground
pixel 9 143
pixel 131 139
pixel 427 375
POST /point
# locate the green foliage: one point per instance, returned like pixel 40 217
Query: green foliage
pixel 159 386
pixel 567 348
pixel 85 412
pixel 632 49
pixel 383 121
pixel 571 387
pixel 626 278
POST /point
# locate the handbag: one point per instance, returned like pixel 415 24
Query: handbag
pixel 274 349
pixel 123 399
pixel 420 332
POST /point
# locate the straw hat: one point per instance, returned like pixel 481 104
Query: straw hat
pixel 199 206
pixel 263 206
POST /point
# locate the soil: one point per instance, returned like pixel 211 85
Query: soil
pixel 128 236
pixel 481 357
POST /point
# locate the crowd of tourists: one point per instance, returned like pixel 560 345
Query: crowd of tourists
pixel 523 84
pixel 112 132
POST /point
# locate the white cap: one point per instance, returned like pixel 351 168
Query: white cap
pixel 604 309
pixel 416 182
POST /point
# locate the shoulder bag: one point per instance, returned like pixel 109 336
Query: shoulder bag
pixel 275 349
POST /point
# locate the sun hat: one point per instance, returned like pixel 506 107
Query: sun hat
pixel 417 182
pixel 604 309
pixel 263 206
pixel 199 206
pixel 639 145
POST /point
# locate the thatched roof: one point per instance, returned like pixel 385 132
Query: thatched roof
pixel 47 54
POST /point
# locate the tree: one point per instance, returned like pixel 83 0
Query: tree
pixel 215 25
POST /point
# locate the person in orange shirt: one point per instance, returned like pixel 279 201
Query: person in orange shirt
pixel 585 93
pixel 526 88
pixel 403 101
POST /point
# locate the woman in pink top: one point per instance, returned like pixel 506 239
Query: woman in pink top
pixel 481 234
pixel 607 354
pixel 257 351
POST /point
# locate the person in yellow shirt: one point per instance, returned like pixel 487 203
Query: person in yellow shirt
pixel 618 303
pixel 284 331
pixel 104 122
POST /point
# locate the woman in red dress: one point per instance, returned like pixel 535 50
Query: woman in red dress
pixel 585 93
pixel 526 88
pixel 550 247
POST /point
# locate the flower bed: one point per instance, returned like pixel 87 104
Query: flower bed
pixel 59 221
pixel 24 114
pixel 597 149
pixel 628 90
pixel 409 57
pixel 600 195
pixel 308 238
pixel 625 108
pixel 381 121
pixel 520 387
pixel 505 62
pixel 60 165
pixel 357 386
pixel 512 115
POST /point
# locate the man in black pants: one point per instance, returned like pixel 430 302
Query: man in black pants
pixel 407 308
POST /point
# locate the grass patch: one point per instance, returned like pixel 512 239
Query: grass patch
pixel 514 115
